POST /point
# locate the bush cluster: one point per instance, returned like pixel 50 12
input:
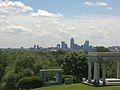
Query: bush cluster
pixel 30 82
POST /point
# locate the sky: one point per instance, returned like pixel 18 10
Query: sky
pixel 47 22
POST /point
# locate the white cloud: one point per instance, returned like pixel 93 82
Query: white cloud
pixel 47 28
pixel 42 30
pixel 91 27
pixel 102 4
pixel 11 29
pixel 110 8
pixel 45 13
pixel 17 5
pixel 96 3
pixel 14 28
pixel 90 3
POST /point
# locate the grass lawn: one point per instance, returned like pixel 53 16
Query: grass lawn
pixel 78 86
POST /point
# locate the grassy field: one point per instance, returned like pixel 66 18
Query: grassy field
pixel 78 87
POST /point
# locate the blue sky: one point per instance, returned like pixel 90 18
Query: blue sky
pixel 75 7
pixel 47 22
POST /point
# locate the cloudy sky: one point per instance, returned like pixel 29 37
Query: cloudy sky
pixel 47 22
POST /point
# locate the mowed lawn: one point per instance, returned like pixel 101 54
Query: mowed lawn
pixel 78 86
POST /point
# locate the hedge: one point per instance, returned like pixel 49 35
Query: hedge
pixel 30 82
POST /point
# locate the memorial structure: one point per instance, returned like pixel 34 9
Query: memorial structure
pixel 95 59
pixel 44 73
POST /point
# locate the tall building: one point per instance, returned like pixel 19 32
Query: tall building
pixel 86 46
pixel 35 47
pixel 72 43
pixel 74 46
pixel 64 46
pixel 58 46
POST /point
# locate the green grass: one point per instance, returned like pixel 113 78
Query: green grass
pixel 78 86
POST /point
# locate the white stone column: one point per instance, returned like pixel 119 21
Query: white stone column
pixel 44 77
pixel 58 78
pixel 89 71
pixel 96 72
pixel 118 70
pixel 103 72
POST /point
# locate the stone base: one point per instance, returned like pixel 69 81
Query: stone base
pixel 108 82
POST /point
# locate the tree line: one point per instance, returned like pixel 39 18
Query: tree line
pixel 17 65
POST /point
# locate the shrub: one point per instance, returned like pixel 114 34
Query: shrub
pixel 26 73
pixel 69 76
pixel 30 82
pixel 10 82
pixel 3 86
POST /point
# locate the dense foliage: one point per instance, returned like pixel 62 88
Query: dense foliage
pixel 75 64
pixel 101 49
pixel 30 82
pixel 17 65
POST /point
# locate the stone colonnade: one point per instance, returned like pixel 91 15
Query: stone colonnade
pixel 96 72
pixel 100 59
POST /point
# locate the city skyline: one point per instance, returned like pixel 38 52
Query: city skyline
pixel 60 46
pixel 72 46
pixel 44 22
pixel 59 42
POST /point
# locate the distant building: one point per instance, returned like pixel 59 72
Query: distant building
pixel 72 43
pixel 114 48
pixel 86 46
pixel 58 46
pixel 35 47
pixel 74 46
pixel 22 48
pixel 64 46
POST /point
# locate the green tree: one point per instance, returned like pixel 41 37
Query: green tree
pixel 10 82
pixel 24 63
pixel 26 73
pixel 3 65
pixel 101 49
pixel 75 64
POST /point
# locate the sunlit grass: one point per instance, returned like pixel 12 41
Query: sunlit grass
pixel 78 86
